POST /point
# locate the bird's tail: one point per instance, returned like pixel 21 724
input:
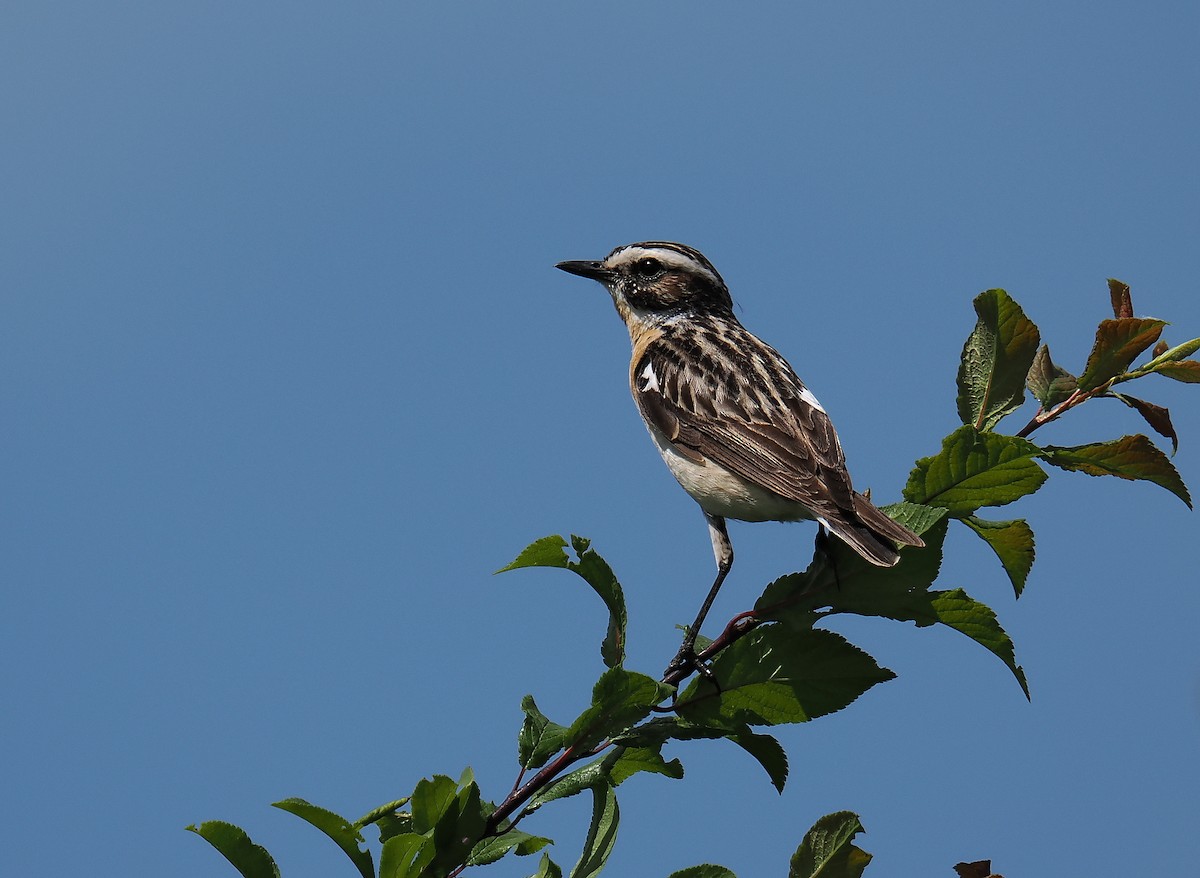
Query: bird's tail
pixel 874 534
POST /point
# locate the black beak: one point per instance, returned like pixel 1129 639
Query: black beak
pixel 584 268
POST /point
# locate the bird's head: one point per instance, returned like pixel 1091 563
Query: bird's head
pixel 654 280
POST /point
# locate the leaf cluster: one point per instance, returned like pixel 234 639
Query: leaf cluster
pixel 777 664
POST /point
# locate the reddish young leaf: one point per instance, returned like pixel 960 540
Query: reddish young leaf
pixel 1049 383
pixel 1156 416
pixel 1121 302
pixel 1130 457
pixel 1118 343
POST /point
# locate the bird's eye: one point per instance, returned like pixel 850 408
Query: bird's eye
pixel 648 267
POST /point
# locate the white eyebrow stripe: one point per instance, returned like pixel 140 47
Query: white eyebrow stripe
pixel 668 257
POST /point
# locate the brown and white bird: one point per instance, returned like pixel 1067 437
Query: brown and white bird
pixel 735 425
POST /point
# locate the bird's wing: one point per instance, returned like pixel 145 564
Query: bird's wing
pixel 731 398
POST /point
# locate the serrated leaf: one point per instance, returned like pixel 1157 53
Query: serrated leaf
pixel 628 761
pixel 460 828
pixel 1049 383
pixel 545 552
pixel 1158 417
pixel 1013 543
pixel 1118 343
pixel 1171 355
pixel 620 699
pixel 958 610
pixel 899 592
pixel 995 360
pixel 902 595
pixel 551 552
pixel 405 855
pixel 390 825
pixel 430 800
pixel 1122 302
pixel 777 675
pixel 827 850
pixel 764 748
pixel 343 834
pixel 656 732
pixel 571 784
pixel 602 833
pixel 704 870
pixel 380 812
pixel 1130 457
pixel 791 598
pixel 539 738
pixel 250 859
pixel 547 868
pixel 974 470
pixel 767 751
pixel 1187 371
pixel 492 849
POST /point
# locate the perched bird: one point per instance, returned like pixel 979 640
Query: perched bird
pixel 735 425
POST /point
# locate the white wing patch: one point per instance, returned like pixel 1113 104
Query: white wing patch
pixel 651 379
pixel 807 396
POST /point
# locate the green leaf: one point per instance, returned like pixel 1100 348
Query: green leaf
pixel 1118 343
pixel 571 784
pixel 460 828
pixel 405 855
pixel 1187 371
pixel 706 870
pixel 620 699
pixel 827 850
pixel 625 762
pixel 376 814
pixel 390 825
pixel 594 570
pixel 899 592
pixel 769 753
pixel 974 470
pixel 345 836
pixel 1177 354
pixel 1049 383
pixel 917 517
pixel 1130 457
pixel 903 595
pixel 1158 417
pixel 539 738
pixel 545 552
pixel 492 849
pixel 958 610
pixel 251 860
pixel 602 833
pixel 1013 543
pixel 763 748
pixel 777 675
pixel 547 868
pixel 1122 303
pixel 430 800
pixel 995 360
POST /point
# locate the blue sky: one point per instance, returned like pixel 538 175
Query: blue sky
pixel 286 372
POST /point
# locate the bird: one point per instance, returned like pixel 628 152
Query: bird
pixel 739 430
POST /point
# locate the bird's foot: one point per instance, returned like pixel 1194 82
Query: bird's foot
pixel 687 662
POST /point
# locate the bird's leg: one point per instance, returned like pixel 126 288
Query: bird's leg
pixel 822 546
pixel 685 659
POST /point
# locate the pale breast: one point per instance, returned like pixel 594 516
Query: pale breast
pixel 721 492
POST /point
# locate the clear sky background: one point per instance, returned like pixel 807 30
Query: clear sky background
pixel 286 371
